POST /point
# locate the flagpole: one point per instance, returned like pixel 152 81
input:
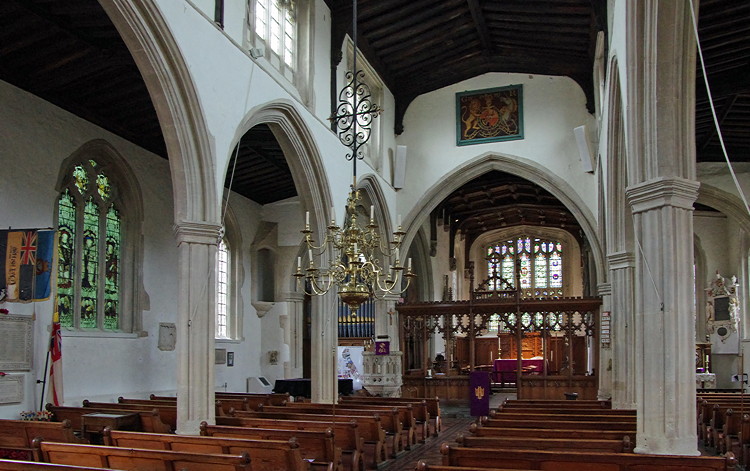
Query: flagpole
pixel 44 381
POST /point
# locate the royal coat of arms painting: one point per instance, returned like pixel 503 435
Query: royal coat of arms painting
pixel 489 115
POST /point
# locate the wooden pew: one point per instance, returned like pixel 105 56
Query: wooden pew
pixel 405 415
pixel 346 434
pixel 570 417
pixel 271 399
pixel 398 421
pixel 560 424
pixel 733 436
pixel 315 446
pixel 537 443
pixel 16 465
pixel 423 466
pixel 573 434
pixel 480 458
pixel 432 404
pixel 265 455
pixel 589 403
pixel 252 400
pixel 370 429
pixel 130 459
pixel 562 410
pixel 222 406
pixel 150 419
pixel 167 412
pixel 19 434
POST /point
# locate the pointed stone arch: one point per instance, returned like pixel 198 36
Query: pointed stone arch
pixel 167 77
pixel 309 175
pixel 514 165
pixel 302 156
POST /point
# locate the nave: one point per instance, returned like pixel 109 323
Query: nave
pixel 518 434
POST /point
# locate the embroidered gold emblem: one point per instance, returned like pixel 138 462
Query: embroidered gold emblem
pixel 479 392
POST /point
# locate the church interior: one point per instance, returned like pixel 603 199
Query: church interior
pixel 210 201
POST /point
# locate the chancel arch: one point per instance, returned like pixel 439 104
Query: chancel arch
pixel 519 167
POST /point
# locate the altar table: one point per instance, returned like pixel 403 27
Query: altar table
pixel 504 370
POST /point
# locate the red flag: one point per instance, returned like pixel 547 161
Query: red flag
pixel 55 391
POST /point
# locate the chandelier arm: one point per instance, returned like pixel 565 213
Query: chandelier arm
pixel 319 289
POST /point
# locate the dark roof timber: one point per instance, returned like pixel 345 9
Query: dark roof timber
pixel 424 45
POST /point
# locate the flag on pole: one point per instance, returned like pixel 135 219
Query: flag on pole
pixel 55 391
pixel 26 258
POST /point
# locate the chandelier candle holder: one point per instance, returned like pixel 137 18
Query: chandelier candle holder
pixel 354 267
pixel 354 252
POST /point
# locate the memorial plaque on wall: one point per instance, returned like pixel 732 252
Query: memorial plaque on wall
pixel 11 389
pixel 17 334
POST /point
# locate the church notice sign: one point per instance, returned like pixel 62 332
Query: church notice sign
pixel 18 339
pixel 493 114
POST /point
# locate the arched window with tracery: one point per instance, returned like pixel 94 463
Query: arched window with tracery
pixel 89 250
pixel 539 263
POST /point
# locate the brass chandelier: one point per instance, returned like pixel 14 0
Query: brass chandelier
pixel 354 251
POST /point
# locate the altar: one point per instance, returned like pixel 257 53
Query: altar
pixel 504 370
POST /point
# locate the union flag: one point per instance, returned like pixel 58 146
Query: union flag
pixel 29 241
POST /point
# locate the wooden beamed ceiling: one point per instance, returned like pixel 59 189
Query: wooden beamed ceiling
pixel 497 200
pixel 424 45
pixel 70 54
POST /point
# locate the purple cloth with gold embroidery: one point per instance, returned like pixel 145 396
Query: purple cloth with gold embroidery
pixel 479 382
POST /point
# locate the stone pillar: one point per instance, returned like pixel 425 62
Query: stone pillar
pixel 621 272
pixel 196 304
pixel 324 340
pixel 295 306
pixel 664 317
pixel 386 318
pixel 604 368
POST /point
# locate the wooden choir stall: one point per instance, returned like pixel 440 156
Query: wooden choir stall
pixel 553 342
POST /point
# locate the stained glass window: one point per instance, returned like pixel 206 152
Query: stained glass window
pixel 112 267
pixel 540 263
pixel 90 265
pixel 89 251
pixel 81 179
pixel 66 265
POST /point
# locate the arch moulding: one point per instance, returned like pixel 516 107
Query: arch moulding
pixel 167 78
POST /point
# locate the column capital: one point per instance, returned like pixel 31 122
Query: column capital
pixel 662 191
pixel 621 260
pixel 604 289
pixel 197 232
pixel 293 296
